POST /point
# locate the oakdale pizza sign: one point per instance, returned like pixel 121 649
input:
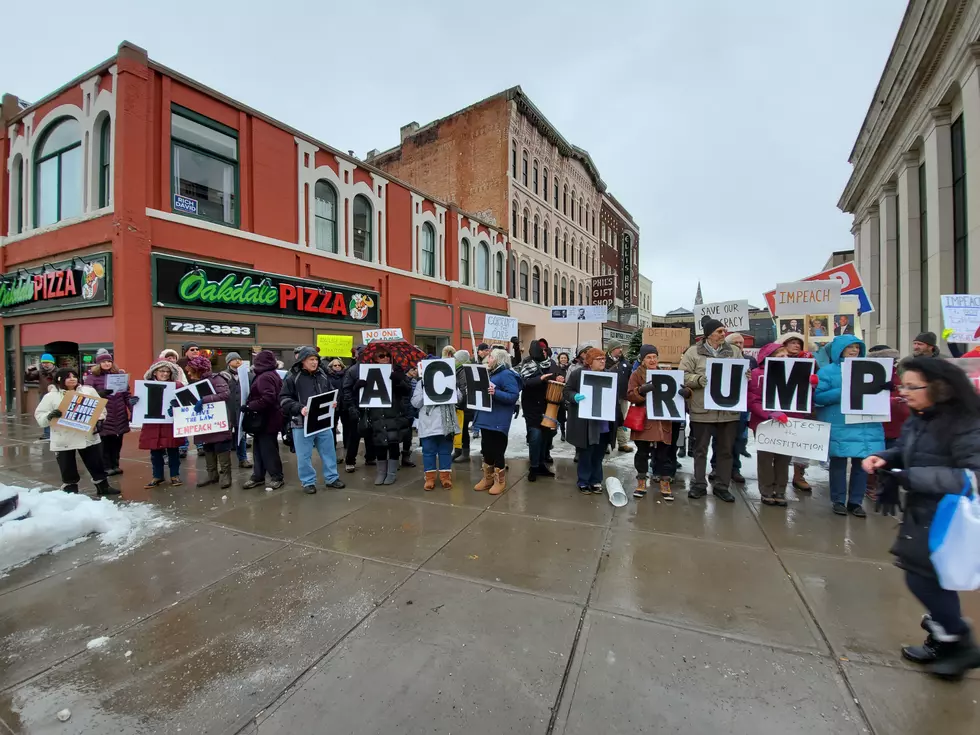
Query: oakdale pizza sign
pixel 83 281
pixel 200 285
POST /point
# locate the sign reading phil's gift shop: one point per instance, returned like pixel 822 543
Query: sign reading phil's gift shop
pixel 201 285
pixel 78 283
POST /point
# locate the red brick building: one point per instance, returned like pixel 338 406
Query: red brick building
pixel 619 238
pixel 140 209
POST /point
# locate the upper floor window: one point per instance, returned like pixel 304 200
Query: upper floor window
pixel 17 182
pixel 524 227
pixel 535 233
pixel 556 193
pixel 545 290
pixel 555 301
pixel 498 273
pixel 513 161
pixel 513 276
pixel 564 199
pixel 524 168
pixel 464 262
pixel 580 295
pixel 536 285
pixel 544 185
pixel 564 291
pixel 105 161
pixel 580 210
pixel 556 242
pixel 524 281
pixel 325 216
pixel 513 219
pixel 545 239
pixel 573 204
pixel 564 247
pixel 586 215
pixel 58 174
pixel 534 179
pixel 483 267
pixel 428 250
pixel 571 292
pixel 205 167
pixel 363 244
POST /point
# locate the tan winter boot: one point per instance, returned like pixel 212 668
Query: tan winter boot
pixel 430 480
pixel 665 490
pixel 446 479
pixel 487 482
pixel 799 481
pixel 499 482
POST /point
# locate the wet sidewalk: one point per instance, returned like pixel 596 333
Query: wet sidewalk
pixel 392 610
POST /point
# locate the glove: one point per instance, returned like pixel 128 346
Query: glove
pixel 702 381
pixel 170 411
pixel 359 384
pixel 199 406
pixel 52 415
pixel 644 389
pixel 814 379
pixel 133 400
pixel 515 341
pixel 947 333
pixel 98 427
pixel 889 499
pixel 886 385
pixel 579 397
pixel 685 392
pixel 780 417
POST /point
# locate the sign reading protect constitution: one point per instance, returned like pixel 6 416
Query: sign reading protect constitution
pixel 195 284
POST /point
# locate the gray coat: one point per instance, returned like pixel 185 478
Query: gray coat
pixel 435 420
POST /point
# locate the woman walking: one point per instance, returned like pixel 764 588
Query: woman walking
pixel 117 410
pixel 65 442
pixel 437 427
pixel 938 448
pixel 655 441
pixel 589 436
pixel 494 425
pixel 159 439
pixel 217 445
pixel 263 401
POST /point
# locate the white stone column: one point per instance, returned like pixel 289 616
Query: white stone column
pixel 909 255
pixel 939 216
pixel 887 303
pixel 870 239
pixel 970 93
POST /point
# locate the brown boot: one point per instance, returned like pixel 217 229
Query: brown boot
pixel 499 482
pixel 224 469
pixel 487 482
pixel 799 482
pixel 665 490
pixel 211 463
pixel 446 479
pixel 430 480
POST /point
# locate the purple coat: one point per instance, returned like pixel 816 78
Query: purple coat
pixel 263 394
pixel 117 409
pixel 221 393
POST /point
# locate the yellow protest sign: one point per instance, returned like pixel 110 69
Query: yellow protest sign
pixel 334 345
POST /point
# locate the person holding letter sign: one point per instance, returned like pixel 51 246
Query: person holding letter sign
pixel 117 410
pixel 494 425
pixel 851 442
pixel 437 426
pixel 388 424
pixel 65 442
pixel 589 436
pixel 216 445
pixel 159 439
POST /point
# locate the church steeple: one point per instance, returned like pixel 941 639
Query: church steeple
pixel 697 299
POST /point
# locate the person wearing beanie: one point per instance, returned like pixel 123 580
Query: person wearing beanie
pixel 537 370
pixel 118 410
pixel 795 345
pixel 171 356
pixel 707 424
pixel 233 361
pixel 189 350
pixel 464 415
pixel 589 436
pixel 925 345
pixel 616 362
pixel 42 374
pixel 159 439
pixel 217 445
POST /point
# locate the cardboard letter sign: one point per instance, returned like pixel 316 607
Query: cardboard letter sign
pixel 319 413
pixel 727 388
pixel 786 384
pixel 599 389
pixel 212 419
pixel 671 342
pixel 377 392
pixel 796 438
pixel 438 381
pixel 80 411
pixel 478 388
pixel 664 402
pixel 191 394
pixel 154 401
pixel 865 385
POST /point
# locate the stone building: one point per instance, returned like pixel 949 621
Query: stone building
pixel 646 302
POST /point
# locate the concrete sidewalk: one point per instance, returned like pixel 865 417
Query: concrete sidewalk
pixel 392 610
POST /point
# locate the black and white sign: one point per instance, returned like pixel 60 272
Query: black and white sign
pixel 734 315
pixel 664 402
pixel 727 388
pixel 478 388
pixel 579 314
pixel 217 329
pixel 499 328
pixel 599 389
pixel 213 418
pixel 320 412
pixel 191 394
pixel 604 290
pixel 865 385
pixel 117 382
pixel 376 392
pixel 153 406
pixel 626 256
pixel 796 438
pixel 786 384
pixel 438 381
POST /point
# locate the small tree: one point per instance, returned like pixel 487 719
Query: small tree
pixel 633 349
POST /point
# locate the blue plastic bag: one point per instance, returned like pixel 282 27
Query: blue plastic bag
pixel 954 538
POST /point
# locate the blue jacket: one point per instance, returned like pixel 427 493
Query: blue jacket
pixel 846 440
pixel 507 387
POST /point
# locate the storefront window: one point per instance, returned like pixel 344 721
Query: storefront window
pixel 205 167
pixel 325 214
pixel 58 174
pixel 363 244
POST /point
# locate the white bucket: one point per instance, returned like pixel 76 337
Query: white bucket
pixel 616 493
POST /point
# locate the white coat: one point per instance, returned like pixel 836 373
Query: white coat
pixel 63 439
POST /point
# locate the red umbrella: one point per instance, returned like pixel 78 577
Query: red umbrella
pixel 403 354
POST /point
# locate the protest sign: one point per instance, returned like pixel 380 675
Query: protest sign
pixel 671 342
pixel 213 418
pixel 334 345
pixel 499 328
pixel 961 313
pixel 805 297
pixel 377 390
pixel 320 411
pixel 438 381
pixel 599 390
pixel 664 402
pixel 153 404
pixel 80 411
pixel 786 384
pixel 117 382
pixel 727 388
pixel 598 313
pixel 866 385
pixel 391 334
pixel 796 438
pixel 478 388
pixel 734 315
pixel 850 286
pixel 191 394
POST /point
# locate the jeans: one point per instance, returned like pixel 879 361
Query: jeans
pixel 535 444
pixel 943 605
pixel 704 433
pixel 590 463
pixel 173 459
pixel 840 490
pixel 437 453
pixel 242 454
pixel 265 457
pixel 47 432
pixel 326 447
pixel 741 440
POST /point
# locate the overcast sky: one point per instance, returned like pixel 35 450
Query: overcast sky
pixel 724 126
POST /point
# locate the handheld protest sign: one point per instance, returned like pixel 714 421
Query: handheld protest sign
pixel 599 389
pixel 154 402
pixel 191 394
pixel 244 387
pixel 727 388
pixel 478 388
pixel 664 402
pixel 438 381
pixel 786 384
pixel 117 382
pixel 862 379
pixel 80 411
pixel 319 413
pixel 377 392
pixel 796 438
pixel 212 419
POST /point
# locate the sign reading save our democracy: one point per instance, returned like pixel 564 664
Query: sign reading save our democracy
pixel 733 314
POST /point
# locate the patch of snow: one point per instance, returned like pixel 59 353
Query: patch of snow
pixel 59 520
pixel 97 642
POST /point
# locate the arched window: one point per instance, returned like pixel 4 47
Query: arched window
pixel 17 182
pixel 498 273
pixel 564 198
pixel 545 240
pixel 534 177
pixel 513 219
pixel 58 174
pixel 580 295
pixel 535 234
pixel 545 292
pixel 524 280
pixel 556 242
pixel 524 226
pixel 363 244
pixel 564 248
pixel 464 262
pixel 555 302
pixel 483 267
pixel 428 254
pixel 556 193
pixel 513 276
pixel 571 292
pixel 580 258
pixel 105 161
pixel 573 205
pixel 580 210
pixel 564 291
pixel 325 216
pixel 536 285
pixel 524 168
pixel 544 184
pixel 586 215
pixel 513 159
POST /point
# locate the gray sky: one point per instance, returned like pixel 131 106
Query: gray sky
pixel 723 126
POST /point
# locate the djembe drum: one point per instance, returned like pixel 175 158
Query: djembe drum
pixel 553 397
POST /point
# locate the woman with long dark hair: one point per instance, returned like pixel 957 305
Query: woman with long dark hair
pixel 938 448
pixel 390 426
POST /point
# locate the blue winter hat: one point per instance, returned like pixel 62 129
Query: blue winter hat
pixel 47 357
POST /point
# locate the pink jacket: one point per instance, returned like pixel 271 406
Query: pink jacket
pixel 756 413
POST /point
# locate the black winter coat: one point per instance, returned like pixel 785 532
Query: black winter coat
pixel 582 433
pixel 935 448
pixel 348 393
pixel 298 387
pixel 533 401
pixel 390 425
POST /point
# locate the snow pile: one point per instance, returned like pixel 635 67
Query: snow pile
pixel 59 520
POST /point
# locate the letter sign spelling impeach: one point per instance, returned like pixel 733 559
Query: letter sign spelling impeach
pixel 438 381
pixel 153 405
pixel 599 390
pixel 377 392
pixel 319 413
pixel 786 384
pixel 865 385
pixel 664 402
pixel 478 388
pixel 727 388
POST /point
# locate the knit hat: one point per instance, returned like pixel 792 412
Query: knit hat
pixel 878 348
pixel 164 354
pixel 305 351
pixel 47 357
pixel 928 338
pixel 791 336
pixel 708 326
pixel 613 344
pixel 232 356
pixel 648 350
pixel 103 355
pixel 591 354
pixel 187 345
pixel 462 357
pixel 200 365
pixel 482 346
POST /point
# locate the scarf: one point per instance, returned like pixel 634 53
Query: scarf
pixel 531 367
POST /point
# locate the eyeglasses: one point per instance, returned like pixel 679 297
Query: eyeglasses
pixel 911 388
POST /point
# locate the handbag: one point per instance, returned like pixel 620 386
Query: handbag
pixel 954 538
pixel 636 418
pixel 252 422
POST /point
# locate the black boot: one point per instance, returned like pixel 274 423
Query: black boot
pixel 104 488
pixel 407 460
pixel 457 453
pixel 928 651
pixel 955 658
pixel 463 456
pixel 71 487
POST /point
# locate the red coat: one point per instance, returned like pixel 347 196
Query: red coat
pixel 756 413
pixel 159 436
pixel 900 409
